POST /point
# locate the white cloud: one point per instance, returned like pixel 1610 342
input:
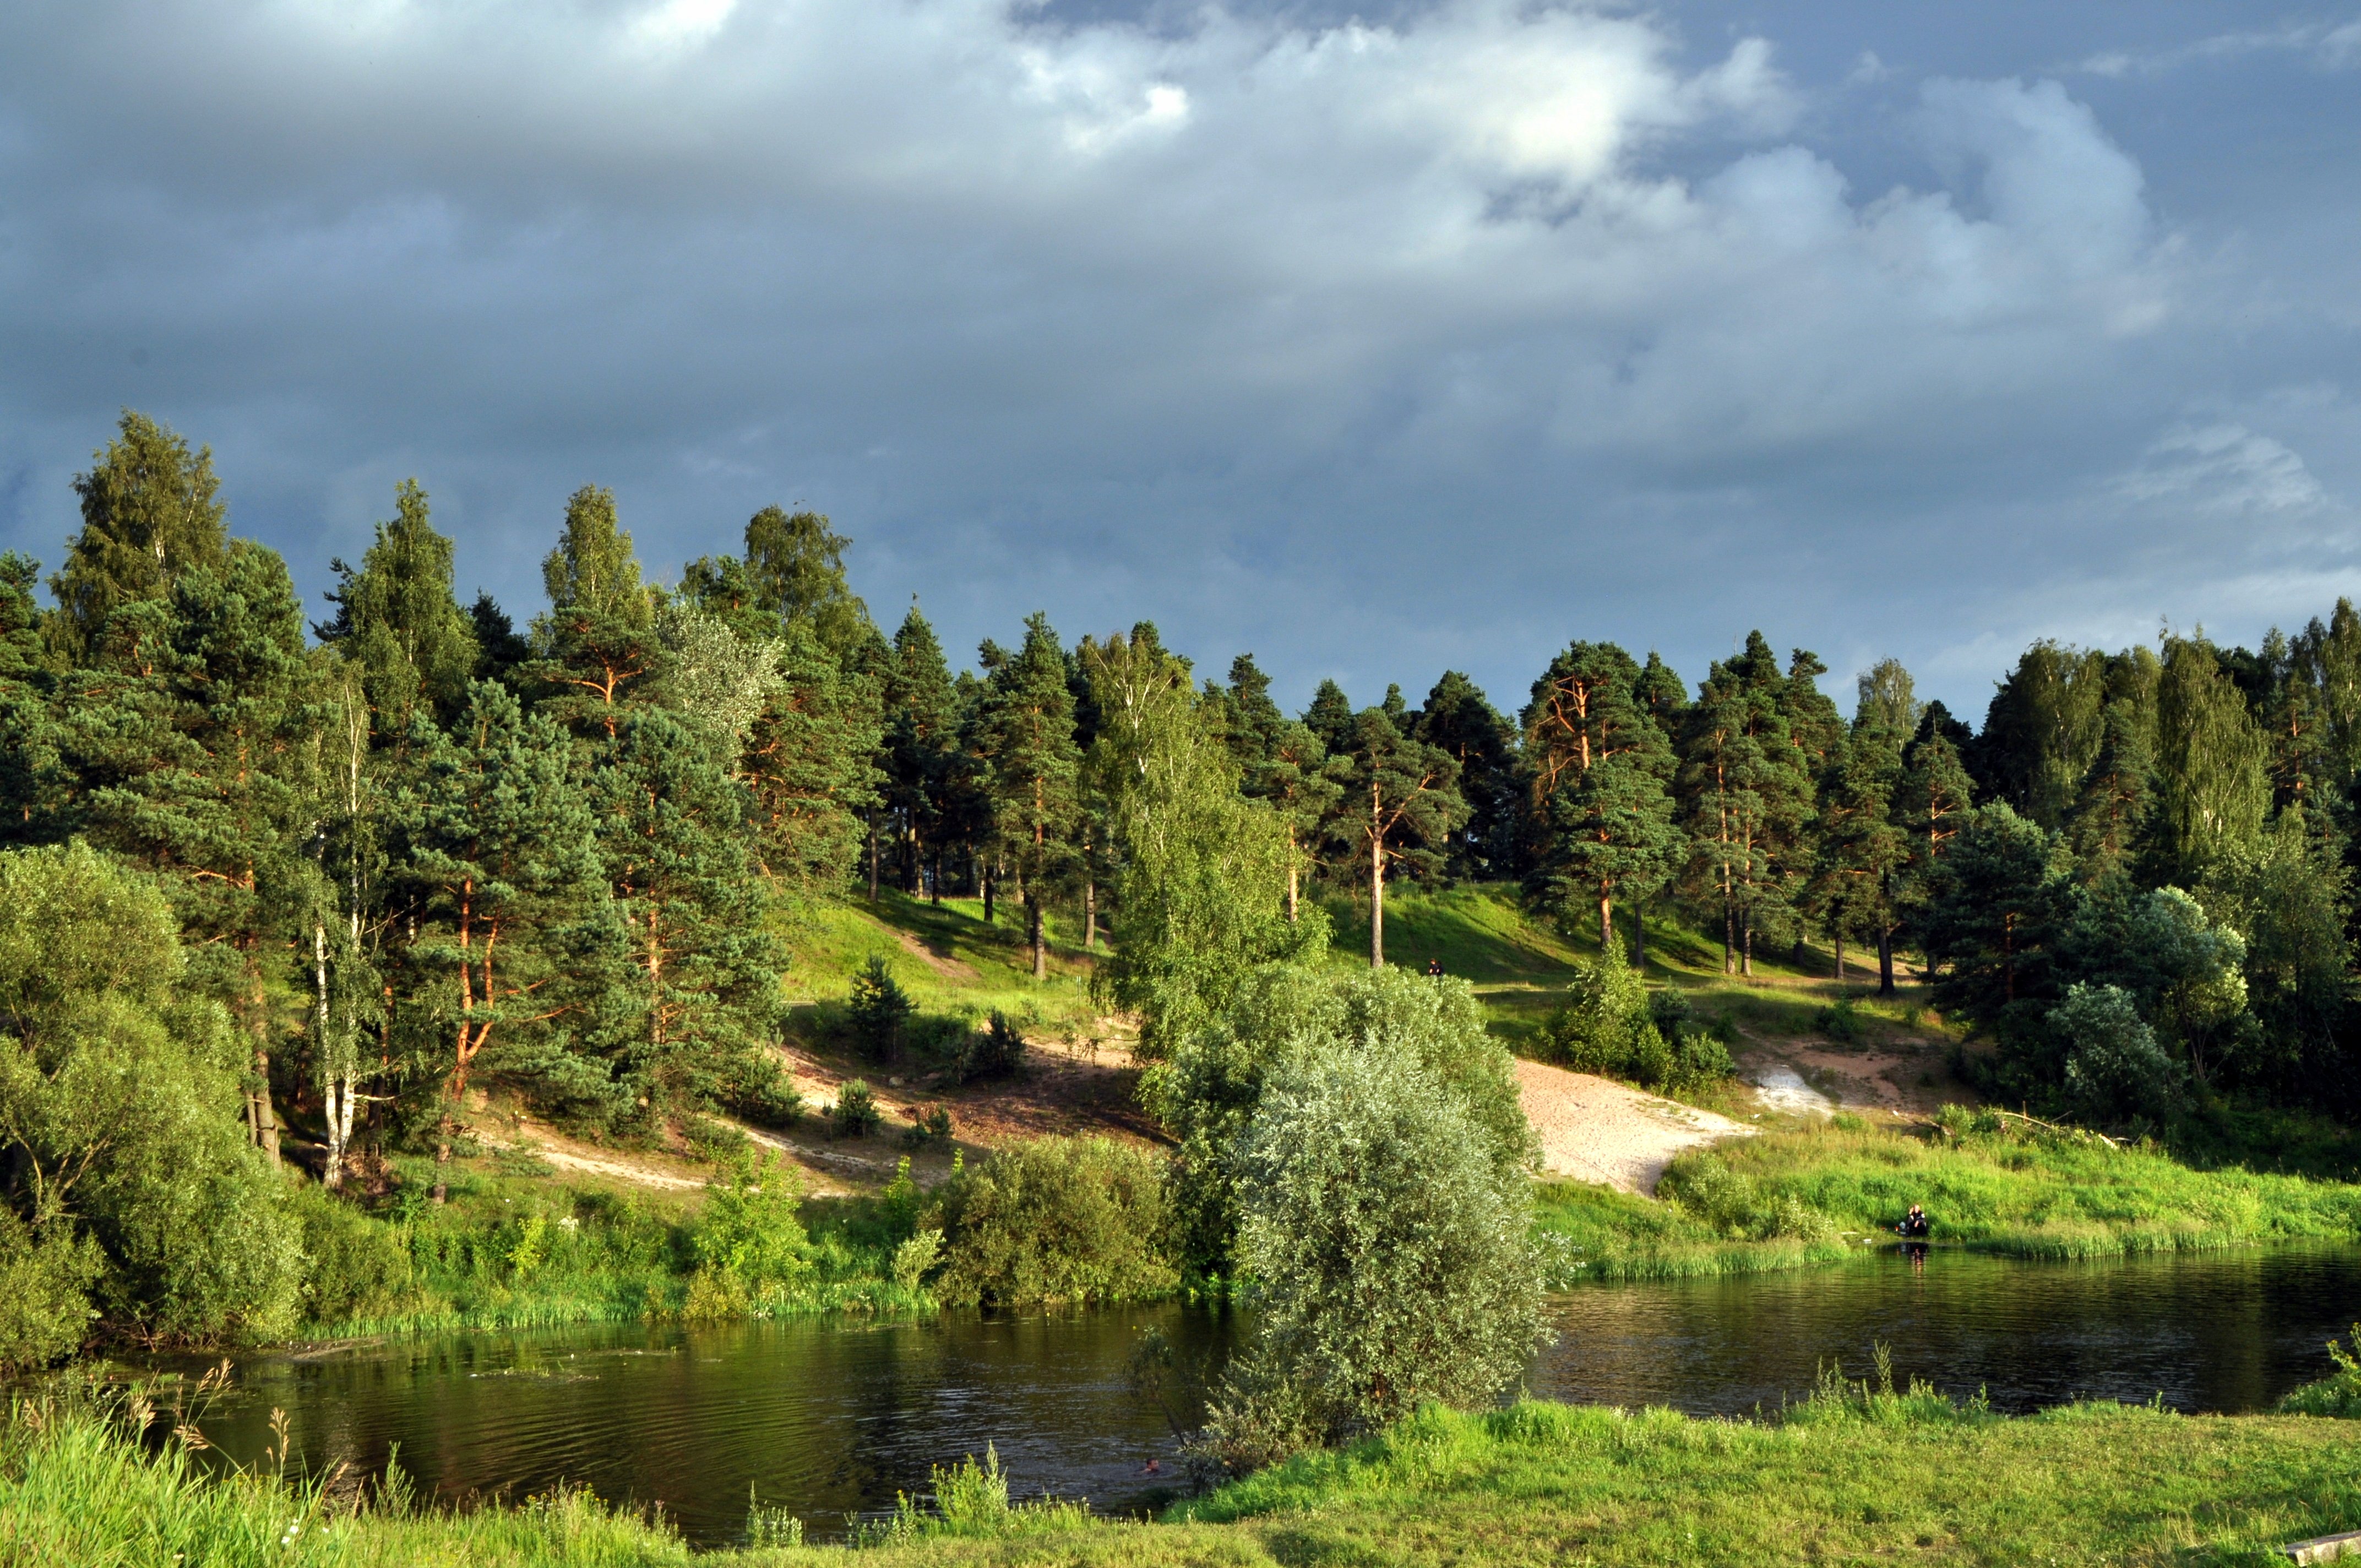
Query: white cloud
pixel 2224 470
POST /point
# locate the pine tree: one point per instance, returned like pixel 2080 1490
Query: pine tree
pixel 1330 716
pixel 151 511
pixel 189 740
pixel 597 641
pixel 1745 798
pixel 1400 803
pixel 1597 767
pixel 1028 734
pixel 498 865
pixel 396 619
pixel 921 740
pixel 1860 849
pixel 2111 809
pixel 1458 718
pixel 1931 804
pixel 32 773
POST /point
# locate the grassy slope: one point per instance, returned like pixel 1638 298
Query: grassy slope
pixel 946 958
pixel 1872 1477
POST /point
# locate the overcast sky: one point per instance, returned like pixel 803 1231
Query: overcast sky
pixel 1376 340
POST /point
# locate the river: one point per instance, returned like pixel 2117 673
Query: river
pixel 832 1418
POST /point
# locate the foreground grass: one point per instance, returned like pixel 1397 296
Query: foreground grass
pixel 1854 1474
pixel 1814 1194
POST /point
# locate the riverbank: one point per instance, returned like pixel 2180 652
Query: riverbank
pixel 1819 1192
pixel 1856 1472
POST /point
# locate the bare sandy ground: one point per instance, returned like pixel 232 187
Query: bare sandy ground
pixel 1594 1129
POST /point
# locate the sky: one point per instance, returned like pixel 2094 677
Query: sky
pixel 1374 339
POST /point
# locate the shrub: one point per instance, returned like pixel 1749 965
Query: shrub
pixel 1390 1254
pixel 1702 1185
pixel 44 1277
pixel 997 1051
pixel 710 1140
pixel 762 1092
pixel 855 1112
pixel 1606 1009
pixel 1207 1088
pixel 751 1246
pixel 931 1125
pixel 1057 1220
pixel 355 1266
pixel 2339 1393
pixel 1842 1023
pixel 878 1012
pixel 117 1081
pixel 2115 1069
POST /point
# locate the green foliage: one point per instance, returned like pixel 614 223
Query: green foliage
pixel 1387 1249
pixel 1056 1219
pixel 751 1246
pixel 1739 1207
pixel 2115 1069
pixel 119 1094
pixel 1201 899
pixel 149 512
pixel 855 1112
pixel 1841 1021
pixel 878 1012
pixel 2339 1393
pixel 1610 1026
pixel 1206 1091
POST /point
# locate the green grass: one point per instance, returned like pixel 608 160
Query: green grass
pixel 976 970
pixel 1856 1475
pixel 1814 1193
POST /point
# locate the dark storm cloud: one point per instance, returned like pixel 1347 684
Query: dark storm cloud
pixel 1434 338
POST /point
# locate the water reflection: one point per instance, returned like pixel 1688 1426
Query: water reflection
pixel 830 1419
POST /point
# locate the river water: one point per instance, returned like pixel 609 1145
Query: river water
pixel 832 1419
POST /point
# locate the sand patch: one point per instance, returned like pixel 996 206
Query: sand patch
pixel 1595 1129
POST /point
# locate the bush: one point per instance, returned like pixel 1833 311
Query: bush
pixel 1069 1220
pixel 355 1266
pixel 1207 1088
pixel 751 1246
pixel 1606 1009
pixel 1842 1023
pixel 2115 1069
pixel 931 1125
pixel 710 1140
pixel 1390 1254
pixel 878 1012
pixel 761 1090
pixel 997 1051
pixel 119 1082
pixel 45 1278
pixel 2338 1394
pixel 855 1112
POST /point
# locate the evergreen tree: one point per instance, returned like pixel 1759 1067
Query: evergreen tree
pixel 499 870
pixel 501 653
pixel 1745 799
pixel 32 774
pixel 1861 851
pixel 1991 929
pixel 599 639
pixel 810 766
pixel 1931 804
pixel 1400 803
pixel 1598 766
pixel 1329 718
pixel 1029 731
pixel 151 511
pixel 190 740
pixel 2111 810
pixel 396 619
pixel 679 871
pixel 921 741
pixel 1459 720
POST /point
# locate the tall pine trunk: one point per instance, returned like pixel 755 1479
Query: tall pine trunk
pixel 1746 944
pixel 1885 961
pixel 1089 912
pixel 935 885
pixel 1033 933
pixel 987 895
pixel 1605 920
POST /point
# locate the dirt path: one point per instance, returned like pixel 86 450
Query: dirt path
pixel 1594 1129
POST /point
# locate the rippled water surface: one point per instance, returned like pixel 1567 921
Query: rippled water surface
pixel 834 1418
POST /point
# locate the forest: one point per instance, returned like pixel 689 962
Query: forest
pixel 296 882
